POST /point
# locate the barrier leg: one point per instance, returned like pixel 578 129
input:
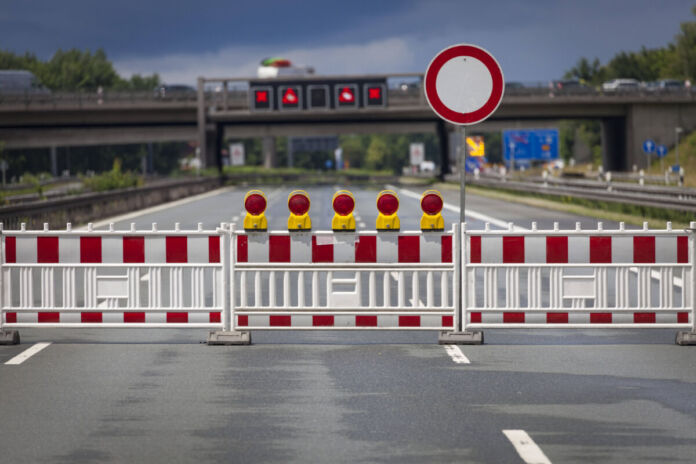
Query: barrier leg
pixel 689 338
pixel 228 336
pixel 7 337
pixel 460 336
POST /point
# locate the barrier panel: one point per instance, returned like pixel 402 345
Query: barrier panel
pixel 578 279
pixel 113 278
pixel 344 280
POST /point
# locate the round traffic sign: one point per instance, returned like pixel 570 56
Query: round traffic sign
pixel 648 146
pixel 661 150
pixel 464 84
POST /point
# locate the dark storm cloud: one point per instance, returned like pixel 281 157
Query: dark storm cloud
pixel 534 40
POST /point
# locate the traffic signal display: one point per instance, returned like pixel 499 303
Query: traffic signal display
pixel 375 95
pixel 290 97
pixel 262 98
pixel 318 97
pixel 346 95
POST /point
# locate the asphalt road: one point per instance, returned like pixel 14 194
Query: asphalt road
pixel 165 396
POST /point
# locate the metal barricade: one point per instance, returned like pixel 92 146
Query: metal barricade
pixel 344 280
pixel 115 279
pixel 578 279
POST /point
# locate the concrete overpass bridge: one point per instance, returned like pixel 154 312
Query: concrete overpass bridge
pixel 210 116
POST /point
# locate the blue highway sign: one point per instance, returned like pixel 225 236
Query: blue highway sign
pixel 531 145
pixel 661 151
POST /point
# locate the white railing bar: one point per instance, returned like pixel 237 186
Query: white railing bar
pixel 345 266
pixel 111 265
pixel 110 325
pixel 577 265
pixel 348 311
pixel 577 326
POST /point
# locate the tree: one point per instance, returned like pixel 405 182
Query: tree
pixel 685 49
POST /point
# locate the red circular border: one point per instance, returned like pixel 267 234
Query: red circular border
pixel 496 93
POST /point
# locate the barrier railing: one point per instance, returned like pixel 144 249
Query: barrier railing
pixel 76 278
pixel 578 279
pixel 457 282
pixel 344 280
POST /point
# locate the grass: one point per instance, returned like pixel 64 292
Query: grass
pixel 629 214
pixel 687 159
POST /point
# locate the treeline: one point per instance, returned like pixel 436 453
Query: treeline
pixel 677 60
pixel 77 70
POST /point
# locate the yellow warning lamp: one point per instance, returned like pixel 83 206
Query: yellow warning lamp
pixel 431 204
pixel 388 205
pixel 255 204
pixel 343 204
pixel 298 204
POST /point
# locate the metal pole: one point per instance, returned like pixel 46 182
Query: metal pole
pixel 201 121
pixel 462 172
pixel 692 239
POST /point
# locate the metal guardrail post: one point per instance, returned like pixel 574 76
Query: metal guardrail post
pixel 7 337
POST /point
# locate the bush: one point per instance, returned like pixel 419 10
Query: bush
pixel 112 180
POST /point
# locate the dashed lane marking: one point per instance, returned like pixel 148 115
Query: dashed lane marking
pixel 456 354
pixel 26 354
pixel 526 448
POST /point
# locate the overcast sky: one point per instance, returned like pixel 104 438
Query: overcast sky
pixel 534 40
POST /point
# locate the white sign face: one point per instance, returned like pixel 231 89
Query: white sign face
pixel 416 154
pixel 464 84
pixel 237 154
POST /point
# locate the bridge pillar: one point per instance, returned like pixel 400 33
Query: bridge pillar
pixel 54 161
pixel 443 138
pixel 614 144
pixel 268 147
pixel 213 145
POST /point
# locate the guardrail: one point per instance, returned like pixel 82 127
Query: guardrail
pixel 678 199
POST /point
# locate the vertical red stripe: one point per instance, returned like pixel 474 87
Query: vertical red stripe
pixel 46 317
pixel 447 321
pixel 643 318
pixel 215 317
pixel 475 317
pixel 214 249
pixel 242 249
pixel 177 317
pixel 556 249
pixel 11 249
pixel 280 321
pixel 513 318
pixel 513 249
pixel 600 249
pixel 90 250
pixel 133 249
pixel 243 321
pixel 134 318
pixel 446 244
pixel 177 249
pixel 475 248
pixel 556 318
pixel 47 249
pixel 409 249
pixel 409 321
pixel 682 249
pixel 11 318
pixel 682 317
pixel 322 321
pixel 366 249
pixel 643 249
pixel 600 318
pixel 366 321
pixel 91 317
pixel 322 253
pixel 278 248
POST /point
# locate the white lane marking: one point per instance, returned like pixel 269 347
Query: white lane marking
pixel 26 354
pixel 362 225
pixel 163 206
pixel 420 303
pixel 235 219
pixel 468 212
pixel 526 448
pixel 394 275
pixel 456 354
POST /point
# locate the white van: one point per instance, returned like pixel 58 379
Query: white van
pixel 621 85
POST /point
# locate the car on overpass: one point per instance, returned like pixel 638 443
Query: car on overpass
pixel 621 85
pixel 21 82
pixel 174 91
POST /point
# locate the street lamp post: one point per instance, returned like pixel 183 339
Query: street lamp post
pixel 677 131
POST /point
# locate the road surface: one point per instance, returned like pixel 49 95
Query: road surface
pixel 95 396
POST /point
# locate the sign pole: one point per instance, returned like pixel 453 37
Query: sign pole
pixel 462 172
